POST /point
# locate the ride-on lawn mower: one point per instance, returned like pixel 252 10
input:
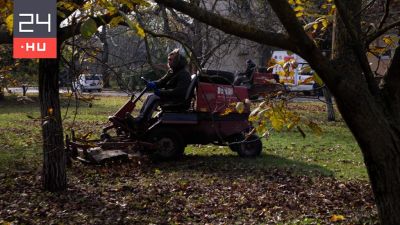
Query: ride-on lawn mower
pixel 205 119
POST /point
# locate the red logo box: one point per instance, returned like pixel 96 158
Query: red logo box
pixel 35 47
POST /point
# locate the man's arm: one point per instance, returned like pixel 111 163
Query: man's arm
pixel 163 80
pixel 181 87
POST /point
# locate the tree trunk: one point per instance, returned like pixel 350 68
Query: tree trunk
pixel 104 57
pixel 372 124
pixel 329 104
pixel 54 156
pixel 384 175
pixel 24 89
pixel 379 140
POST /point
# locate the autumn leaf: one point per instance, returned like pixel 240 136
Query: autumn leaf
pixel 332 11
pixel 61 14
pixel 308 26
pixel 298 9
pixel 50 111
pixel 308 80
pixel 112 10
pixel 389 41
pixel 240 107
pixel 70 6
pixel 139 30
pixel 87 6
pixel 336 218
pixel 315 26
pixel 261 115
pixel 226 111
pixel 115 21
pixel 325 23
pixel 378 50
pixel 276 122
pixel 9 23
pixel 88 28
pixel 317 79
pixel 134 26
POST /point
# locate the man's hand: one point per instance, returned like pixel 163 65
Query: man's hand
pixel 151 85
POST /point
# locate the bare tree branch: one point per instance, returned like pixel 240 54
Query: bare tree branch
pixel 392 76
pixel 169 36
pixel 164 15
pixel 231 27
pixel 149 57
pixel 211 52
pixel 358 48
pixel 380 32
pixel 369 4
pixel 179 19
pixel 385 15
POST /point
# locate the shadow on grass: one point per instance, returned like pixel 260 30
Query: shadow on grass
pixel 235 164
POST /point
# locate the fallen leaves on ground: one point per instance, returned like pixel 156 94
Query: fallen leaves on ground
pixel 189 191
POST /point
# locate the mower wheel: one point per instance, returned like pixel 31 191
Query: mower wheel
pixel 251 147
pixel 169 143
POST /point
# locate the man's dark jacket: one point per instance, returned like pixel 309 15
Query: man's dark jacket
pixel 174 85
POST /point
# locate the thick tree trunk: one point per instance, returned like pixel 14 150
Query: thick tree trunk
pixel 54 156
pixel 385 179
pixel 379 140
pixel 372 124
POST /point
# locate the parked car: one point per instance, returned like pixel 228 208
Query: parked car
pixel 89 82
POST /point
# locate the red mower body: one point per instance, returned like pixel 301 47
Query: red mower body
pixel 216 98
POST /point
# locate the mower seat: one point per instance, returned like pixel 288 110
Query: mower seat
pixel 186 103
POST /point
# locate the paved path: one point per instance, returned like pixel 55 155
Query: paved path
pixel 107 92
pixel 32 90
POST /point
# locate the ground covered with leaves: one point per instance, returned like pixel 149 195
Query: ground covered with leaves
pixel 296 180
pixel 193 190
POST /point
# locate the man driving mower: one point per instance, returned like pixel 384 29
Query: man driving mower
pixel 166 135
pixel 245 77
pixel 168 90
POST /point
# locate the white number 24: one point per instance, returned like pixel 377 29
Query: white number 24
pixel 31 21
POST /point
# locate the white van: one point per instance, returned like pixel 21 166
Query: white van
pixel 302 79
pixel 89 82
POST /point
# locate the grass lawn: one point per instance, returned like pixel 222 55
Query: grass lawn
pixel 335 152
pixel 295 181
